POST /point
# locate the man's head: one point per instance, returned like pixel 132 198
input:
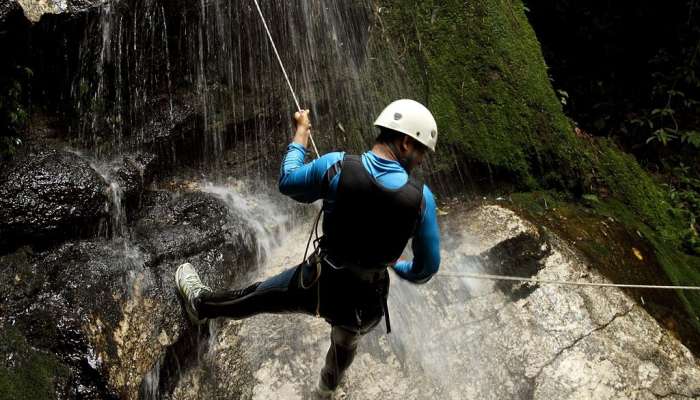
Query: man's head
pixel 408 151
pixel 409 130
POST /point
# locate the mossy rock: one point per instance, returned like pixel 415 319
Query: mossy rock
pixel 626 250
pixel 479 68
pixel 28 373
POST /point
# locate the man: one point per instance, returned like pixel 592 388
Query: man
pixel 371 207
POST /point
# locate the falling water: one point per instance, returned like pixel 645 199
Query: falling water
pixel 269 216
pixel 434 322
pixel 116 209
pixel 159 63
pixel 116 227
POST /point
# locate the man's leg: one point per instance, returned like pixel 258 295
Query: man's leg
pixel 339 357
pixel 278 294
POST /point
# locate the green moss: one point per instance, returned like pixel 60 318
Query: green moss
pixel 615 240
pixel 628 182
pixel 26 373
pixel 680 268
pixel 479 68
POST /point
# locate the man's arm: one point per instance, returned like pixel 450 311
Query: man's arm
pixel 425 245
pixel 304 182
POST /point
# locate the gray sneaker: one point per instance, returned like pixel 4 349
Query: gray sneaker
pixel 190 287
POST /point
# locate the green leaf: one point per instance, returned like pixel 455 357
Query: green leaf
pixel 691 137
pixel 591 198
pixel 668 111
pixel 662 135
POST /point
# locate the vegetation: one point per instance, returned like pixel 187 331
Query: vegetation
pixel 26 373
pixel 14 100
pixel 631 73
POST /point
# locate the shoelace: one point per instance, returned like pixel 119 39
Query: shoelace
pixel 194 286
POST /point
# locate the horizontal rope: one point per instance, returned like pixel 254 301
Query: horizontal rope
pixel 473 275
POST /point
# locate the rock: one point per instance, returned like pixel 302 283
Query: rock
pixel 145 164
pixel 35 9
pixel 7 10
pixel 172 227
pixel 135 172
pixel 49 195
pixel 27 373
pixel 128 177
pixel 108 309
pixel 457 338
pixel 172 129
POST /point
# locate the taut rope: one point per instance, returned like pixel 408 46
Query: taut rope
pixel 284 71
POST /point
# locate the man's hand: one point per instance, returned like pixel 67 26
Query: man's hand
pixel 302 127
pixel 302 121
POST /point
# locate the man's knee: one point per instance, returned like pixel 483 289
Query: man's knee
pixel 345 338
pixel 281 281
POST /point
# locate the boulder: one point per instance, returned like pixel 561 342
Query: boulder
pixel 173 227
pixel 35 9
pixel 134 172
pixel 49 195
pixel 107 310
pixel 128 177
pixel 27 373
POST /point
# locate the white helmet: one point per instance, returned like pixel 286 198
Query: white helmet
pixel 411 118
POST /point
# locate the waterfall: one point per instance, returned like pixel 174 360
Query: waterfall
pixel 269 218
pixel 158 64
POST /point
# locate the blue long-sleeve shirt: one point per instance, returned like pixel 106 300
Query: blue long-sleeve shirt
pixel 304 183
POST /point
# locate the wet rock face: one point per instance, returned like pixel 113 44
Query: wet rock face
pixel 131 174
pixel 26 373
pixel 7 9
pixel 458 338
pixel 53 194
pixel 107 310
pixel 175 227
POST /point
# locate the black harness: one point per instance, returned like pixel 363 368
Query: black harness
pixel 351 240
pixel 349 234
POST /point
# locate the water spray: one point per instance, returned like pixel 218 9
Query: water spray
pixel 284 71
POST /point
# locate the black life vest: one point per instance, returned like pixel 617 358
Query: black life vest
pixel 369 225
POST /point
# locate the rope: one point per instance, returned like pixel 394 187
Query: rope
pixel 557 282
pixel 318 155
pixel 284 71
